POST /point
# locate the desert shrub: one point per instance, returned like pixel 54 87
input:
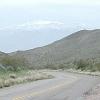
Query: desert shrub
pixel 87 64
pixel 51 66
pixel 96 66
pixel 81 64
pixel 13 63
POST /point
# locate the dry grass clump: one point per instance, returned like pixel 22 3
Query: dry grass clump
pixel 13 76
pixel 27 76
pixel 1 83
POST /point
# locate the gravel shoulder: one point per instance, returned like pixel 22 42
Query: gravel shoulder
pixel 93 94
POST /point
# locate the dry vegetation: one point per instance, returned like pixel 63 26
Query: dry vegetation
pixel 11 78
pixel 15 70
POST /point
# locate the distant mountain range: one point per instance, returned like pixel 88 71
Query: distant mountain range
pixel 32 35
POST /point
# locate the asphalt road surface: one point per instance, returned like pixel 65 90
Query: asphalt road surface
pixel 65 86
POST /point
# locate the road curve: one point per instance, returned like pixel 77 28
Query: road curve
pixel 65 86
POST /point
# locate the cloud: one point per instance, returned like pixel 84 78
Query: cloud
pixel 41 24
pixel 36 25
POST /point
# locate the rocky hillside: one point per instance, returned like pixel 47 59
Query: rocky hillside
pixel 83 44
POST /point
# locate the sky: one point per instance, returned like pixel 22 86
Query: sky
pixel 22 20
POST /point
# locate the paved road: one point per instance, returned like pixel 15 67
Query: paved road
pixel 65 86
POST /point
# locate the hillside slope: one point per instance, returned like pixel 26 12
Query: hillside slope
pixel 83 44
pixel 2 54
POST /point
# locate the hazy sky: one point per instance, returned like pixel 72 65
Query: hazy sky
pixel 44 14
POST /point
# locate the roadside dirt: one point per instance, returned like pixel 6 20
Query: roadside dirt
pixel 93 94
